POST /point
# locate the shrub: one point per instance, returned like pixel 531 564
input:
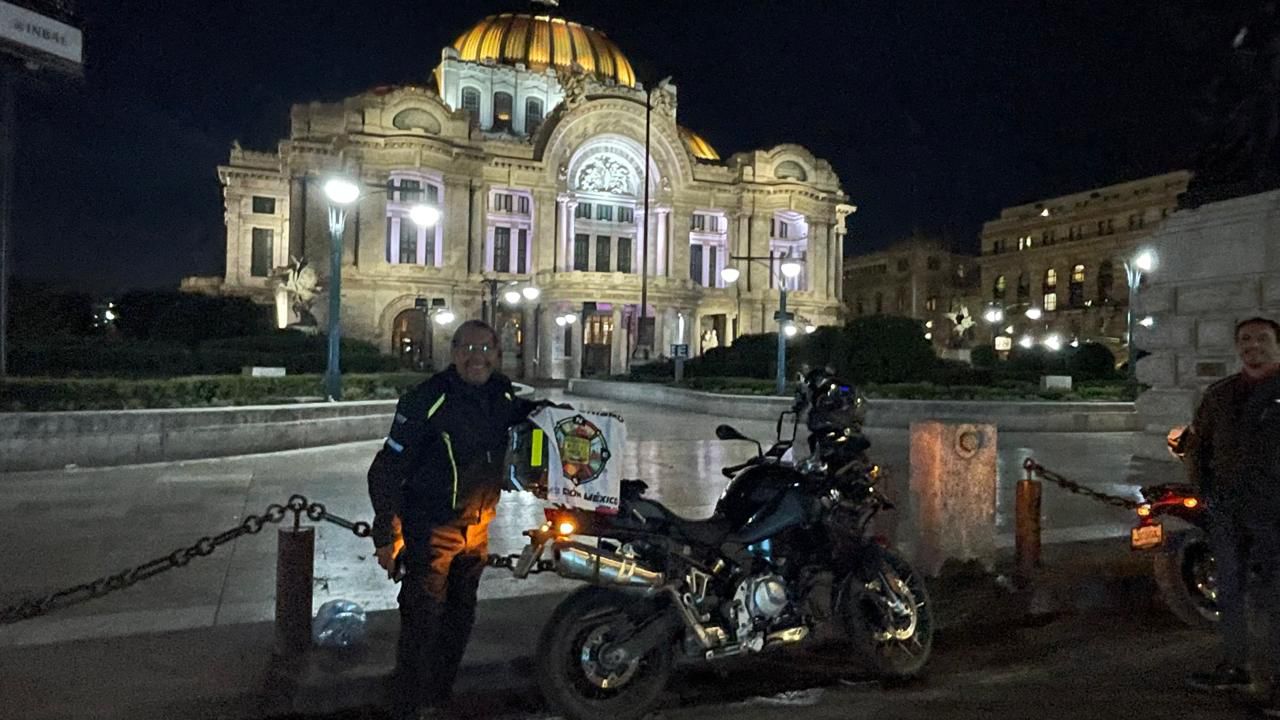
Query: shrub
pixel 1091 361
pixel 884 349
pixel 984 356
pixel 31 394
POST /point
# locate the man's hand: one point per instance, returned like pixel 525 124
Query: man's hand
pixel 387 555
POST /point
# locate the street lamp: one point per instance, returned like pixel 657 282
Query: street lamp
pixel 1033 313
pixel 1145 261
pixel 342 192
pixel 791 269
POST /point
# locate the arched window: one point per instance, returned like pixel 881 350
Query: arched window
pixel 1024 287
pixel 1075 289
pixel 471 103
pixel 1106 281
pixel 1050 290
pixel 901 302
pixel 998 289
pixel 532 115
pixel 879 303
pixel 858 306
pixel 501 111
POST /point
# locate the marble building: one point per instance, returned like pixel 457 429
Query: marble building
pixel 529 141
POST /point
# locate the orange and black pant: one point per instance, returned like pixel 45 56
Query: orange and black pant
pixel 437 610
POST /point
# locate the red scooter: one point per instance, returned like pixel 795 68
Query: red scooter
pixel 1182 561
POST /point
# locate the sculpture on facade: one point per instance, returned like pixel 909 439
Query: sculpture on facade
pixel 296 288
pixel 1241 155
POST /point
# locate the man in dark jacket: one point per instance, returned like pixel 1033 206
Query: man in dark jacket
pixel 434 486
pixel 1236 434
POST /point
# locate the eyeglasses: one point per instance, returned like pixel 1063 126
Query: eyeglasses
pixel 483 348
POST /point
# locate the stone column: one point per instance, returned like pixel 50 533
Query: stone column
pixel 528 348
pixel 547 328
pixel 570 207
pixel 680 219
pixel 371 251
pixel 759 247
pixel 817 264
pixel 618 350
pixel 476 235
pixel 575 352
pixel 662 248
pixel 543 228
pixel 455 219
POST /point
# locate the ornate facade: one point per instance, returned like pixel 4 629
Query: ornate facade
pixel 1065 257
pixel 532 147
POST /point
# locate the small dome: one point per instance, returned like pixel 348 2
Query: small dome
pixel 700 148
pixel 541 41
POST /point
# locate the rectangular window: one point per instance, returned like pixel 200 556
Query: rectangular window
pixel 260 264
pixel 624 254
pixel 626 215
pixel 264 205
pixel 711 267
pixel 698 223
pixel 604 212
pixel 408 242
pixel 502 249
pixel 522 251
pixel 410 191
pixel 430 254
pixel 581 252
pixel 782 230
pixel 502 202
pixel 695 262
pixel 1050 301
pixel 583 210
pixel 522 204
pixel 603 243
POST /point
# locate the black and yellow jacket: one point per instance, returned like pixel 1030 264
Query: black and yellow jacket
pixel 442 462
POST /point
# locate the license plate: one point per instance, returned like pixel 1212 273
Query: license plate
pixel 1145 537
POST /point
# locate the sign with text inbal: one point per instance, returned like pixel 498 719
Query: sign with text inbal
pixel 39 35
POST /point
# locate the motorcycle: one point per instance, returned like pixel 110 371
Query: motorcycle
pixel 1182 562
pixel 787 552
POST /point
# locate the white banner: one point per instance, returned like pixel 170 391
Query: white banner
pixel 41 33
pixel 584 458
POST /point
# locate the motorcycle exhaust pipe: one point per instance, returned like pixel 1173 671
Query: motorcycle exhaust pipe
pixel 577 561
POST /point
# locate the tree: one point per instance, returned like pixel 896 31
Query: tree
pixel 885 349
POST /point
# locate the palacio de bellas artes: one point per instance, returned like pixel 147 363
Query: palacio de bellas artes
pixel 534 181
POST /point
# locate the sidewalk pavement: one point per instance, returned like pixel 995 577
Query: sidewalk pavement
pixel 228 671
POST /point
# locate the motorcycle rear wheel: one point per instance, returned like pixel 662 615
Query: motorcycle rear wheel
pixel 888 618
pixel 1183 571
pixel 576 677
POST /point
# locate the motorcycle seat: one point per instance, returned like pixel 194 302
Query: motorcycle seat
pixel 707 531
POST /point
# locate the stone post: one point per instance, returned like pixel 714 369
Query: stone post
pixel 575 351
pixel 953 493
pixel 618 347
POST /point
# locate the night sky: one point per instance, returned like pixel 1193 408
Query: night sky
pixel 934 114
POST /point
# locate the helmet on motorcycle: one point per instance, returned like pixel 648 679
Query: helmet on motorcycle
pixel 834 404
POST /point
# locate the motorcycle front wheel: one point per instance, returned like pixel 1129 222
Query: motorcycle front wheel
pixel 1184 572
pixel 888 618
pixel 581 676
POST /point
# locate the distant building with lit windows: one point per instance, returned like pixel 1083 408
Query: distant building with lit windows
pixel 530 144
pixel 1063 259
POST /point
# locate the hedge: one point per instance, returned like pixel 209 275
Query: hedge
pixel 297 353
pixel 35 394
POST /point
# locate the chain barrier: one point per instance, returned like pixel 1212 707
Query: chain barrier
pixel 251 525
pixel 509 562
pixel 1034 468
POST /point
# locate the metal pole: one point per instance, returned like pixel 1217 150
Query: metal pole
pixel 644 233
pixel 1134 276
pixel 7 116
pixel 1027 527
pixel 781 383
pixel 295 577
pixel 333 373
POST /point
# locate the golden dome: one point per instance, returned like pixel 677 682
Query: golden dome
pixel 541 41
pixel 700 148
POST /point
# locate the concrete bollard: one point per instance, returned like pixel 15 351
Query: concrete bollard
pixel 295 578
pixel 1026 547
pixel 953 488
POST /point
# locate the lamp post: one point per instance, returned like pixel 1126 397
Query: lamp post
pixel 790 268
pixel 343 192
pixel 1143 262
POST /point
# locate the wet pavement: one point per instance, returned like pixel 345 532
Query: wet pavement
pixel 70 526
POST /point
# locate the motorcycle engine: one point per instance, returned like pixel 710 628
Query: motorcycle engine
pixel 758 598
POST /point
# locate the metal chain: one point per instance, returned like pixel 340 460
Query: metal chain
pixel 251 525
pixel 508 562
pixel 1034 468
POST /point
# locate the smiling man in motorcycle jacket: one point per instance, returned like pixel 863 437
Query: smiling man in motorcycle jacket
pixel 1236 437
pixel 434 486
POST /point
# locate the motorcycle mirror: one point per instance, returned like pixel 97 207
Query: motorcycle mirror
pixel 728 432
